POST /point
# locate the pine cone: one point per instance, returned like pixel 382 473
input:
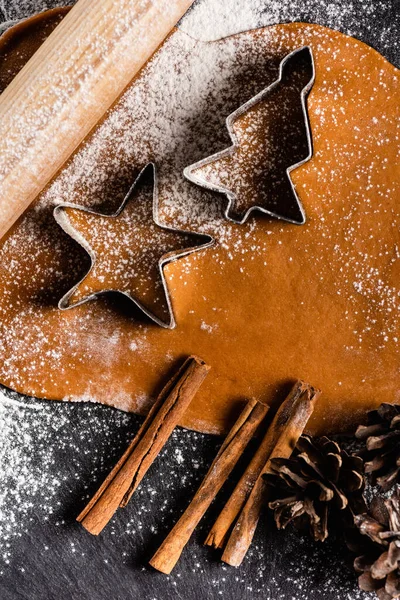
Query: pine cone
pixel 379 566
pixel 318 484
pixel 382 452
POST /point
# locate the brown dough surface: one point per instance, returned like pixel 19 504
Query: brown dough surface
pixel 271 302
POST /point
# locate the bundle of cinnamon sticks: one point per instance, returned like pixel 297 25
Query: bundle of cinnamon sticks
pixel 234 528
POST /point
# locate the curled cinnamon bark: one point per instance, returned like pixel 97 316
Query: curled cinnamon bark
pixel 165 414
pixel 281 438
pixel 227 517
pixel 169 552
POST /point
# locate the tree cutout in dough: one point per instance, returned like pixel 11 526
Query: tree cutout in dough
pixel 128 250
pixel 271 137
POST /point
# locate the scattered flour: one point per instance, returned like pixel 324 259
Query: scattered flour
pixel 32 433
pixel 232 16
pixel 44 467
pixel 28 471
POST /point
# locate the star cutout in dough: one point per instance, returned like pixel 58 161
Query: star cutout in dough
pixel 128 250
pixel 271 137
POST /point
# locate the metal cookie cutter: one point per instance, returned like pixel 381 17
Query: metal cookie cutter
pixel 190 171
pixel 63 220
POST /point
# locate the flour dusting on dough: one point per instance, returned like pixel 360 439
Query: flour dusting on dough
pixel 205 83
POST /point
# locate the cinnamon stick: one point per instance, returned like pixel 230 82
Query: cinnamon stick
pixel 218 534
pixel 282 436
pixel 249 420
pixel 166 412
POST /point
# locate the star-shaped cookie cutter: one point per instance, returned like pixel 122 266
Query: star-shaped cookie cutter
pixel 189 171
pixel 63 220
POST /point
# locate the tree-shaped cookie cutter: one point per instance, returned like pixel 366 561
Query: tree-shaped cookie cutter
pixel 63 220
pixel 189 171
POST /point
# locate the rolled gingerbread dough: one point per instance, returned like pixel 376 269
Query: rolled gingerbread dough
pixel 272 301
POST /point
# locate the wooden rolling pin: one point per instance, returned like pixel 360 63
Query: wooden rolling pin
pixel 67 86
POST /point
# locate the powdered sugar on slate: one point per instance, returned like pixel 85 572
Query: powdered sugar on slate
pixel 46 467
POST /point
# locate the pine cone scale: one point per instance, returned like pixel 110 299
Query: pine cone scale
pixel 383 565
pixel 392 587
pixel 367 583
pixel 381 441
pixel 370 527
pixel 387 481
pixel 377 463
pixel 354 479
pixel 365 431
pixel 319 490
pixel 293 476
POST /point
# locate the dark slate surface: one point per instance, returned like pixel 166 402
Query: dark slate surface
pixel 55 559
